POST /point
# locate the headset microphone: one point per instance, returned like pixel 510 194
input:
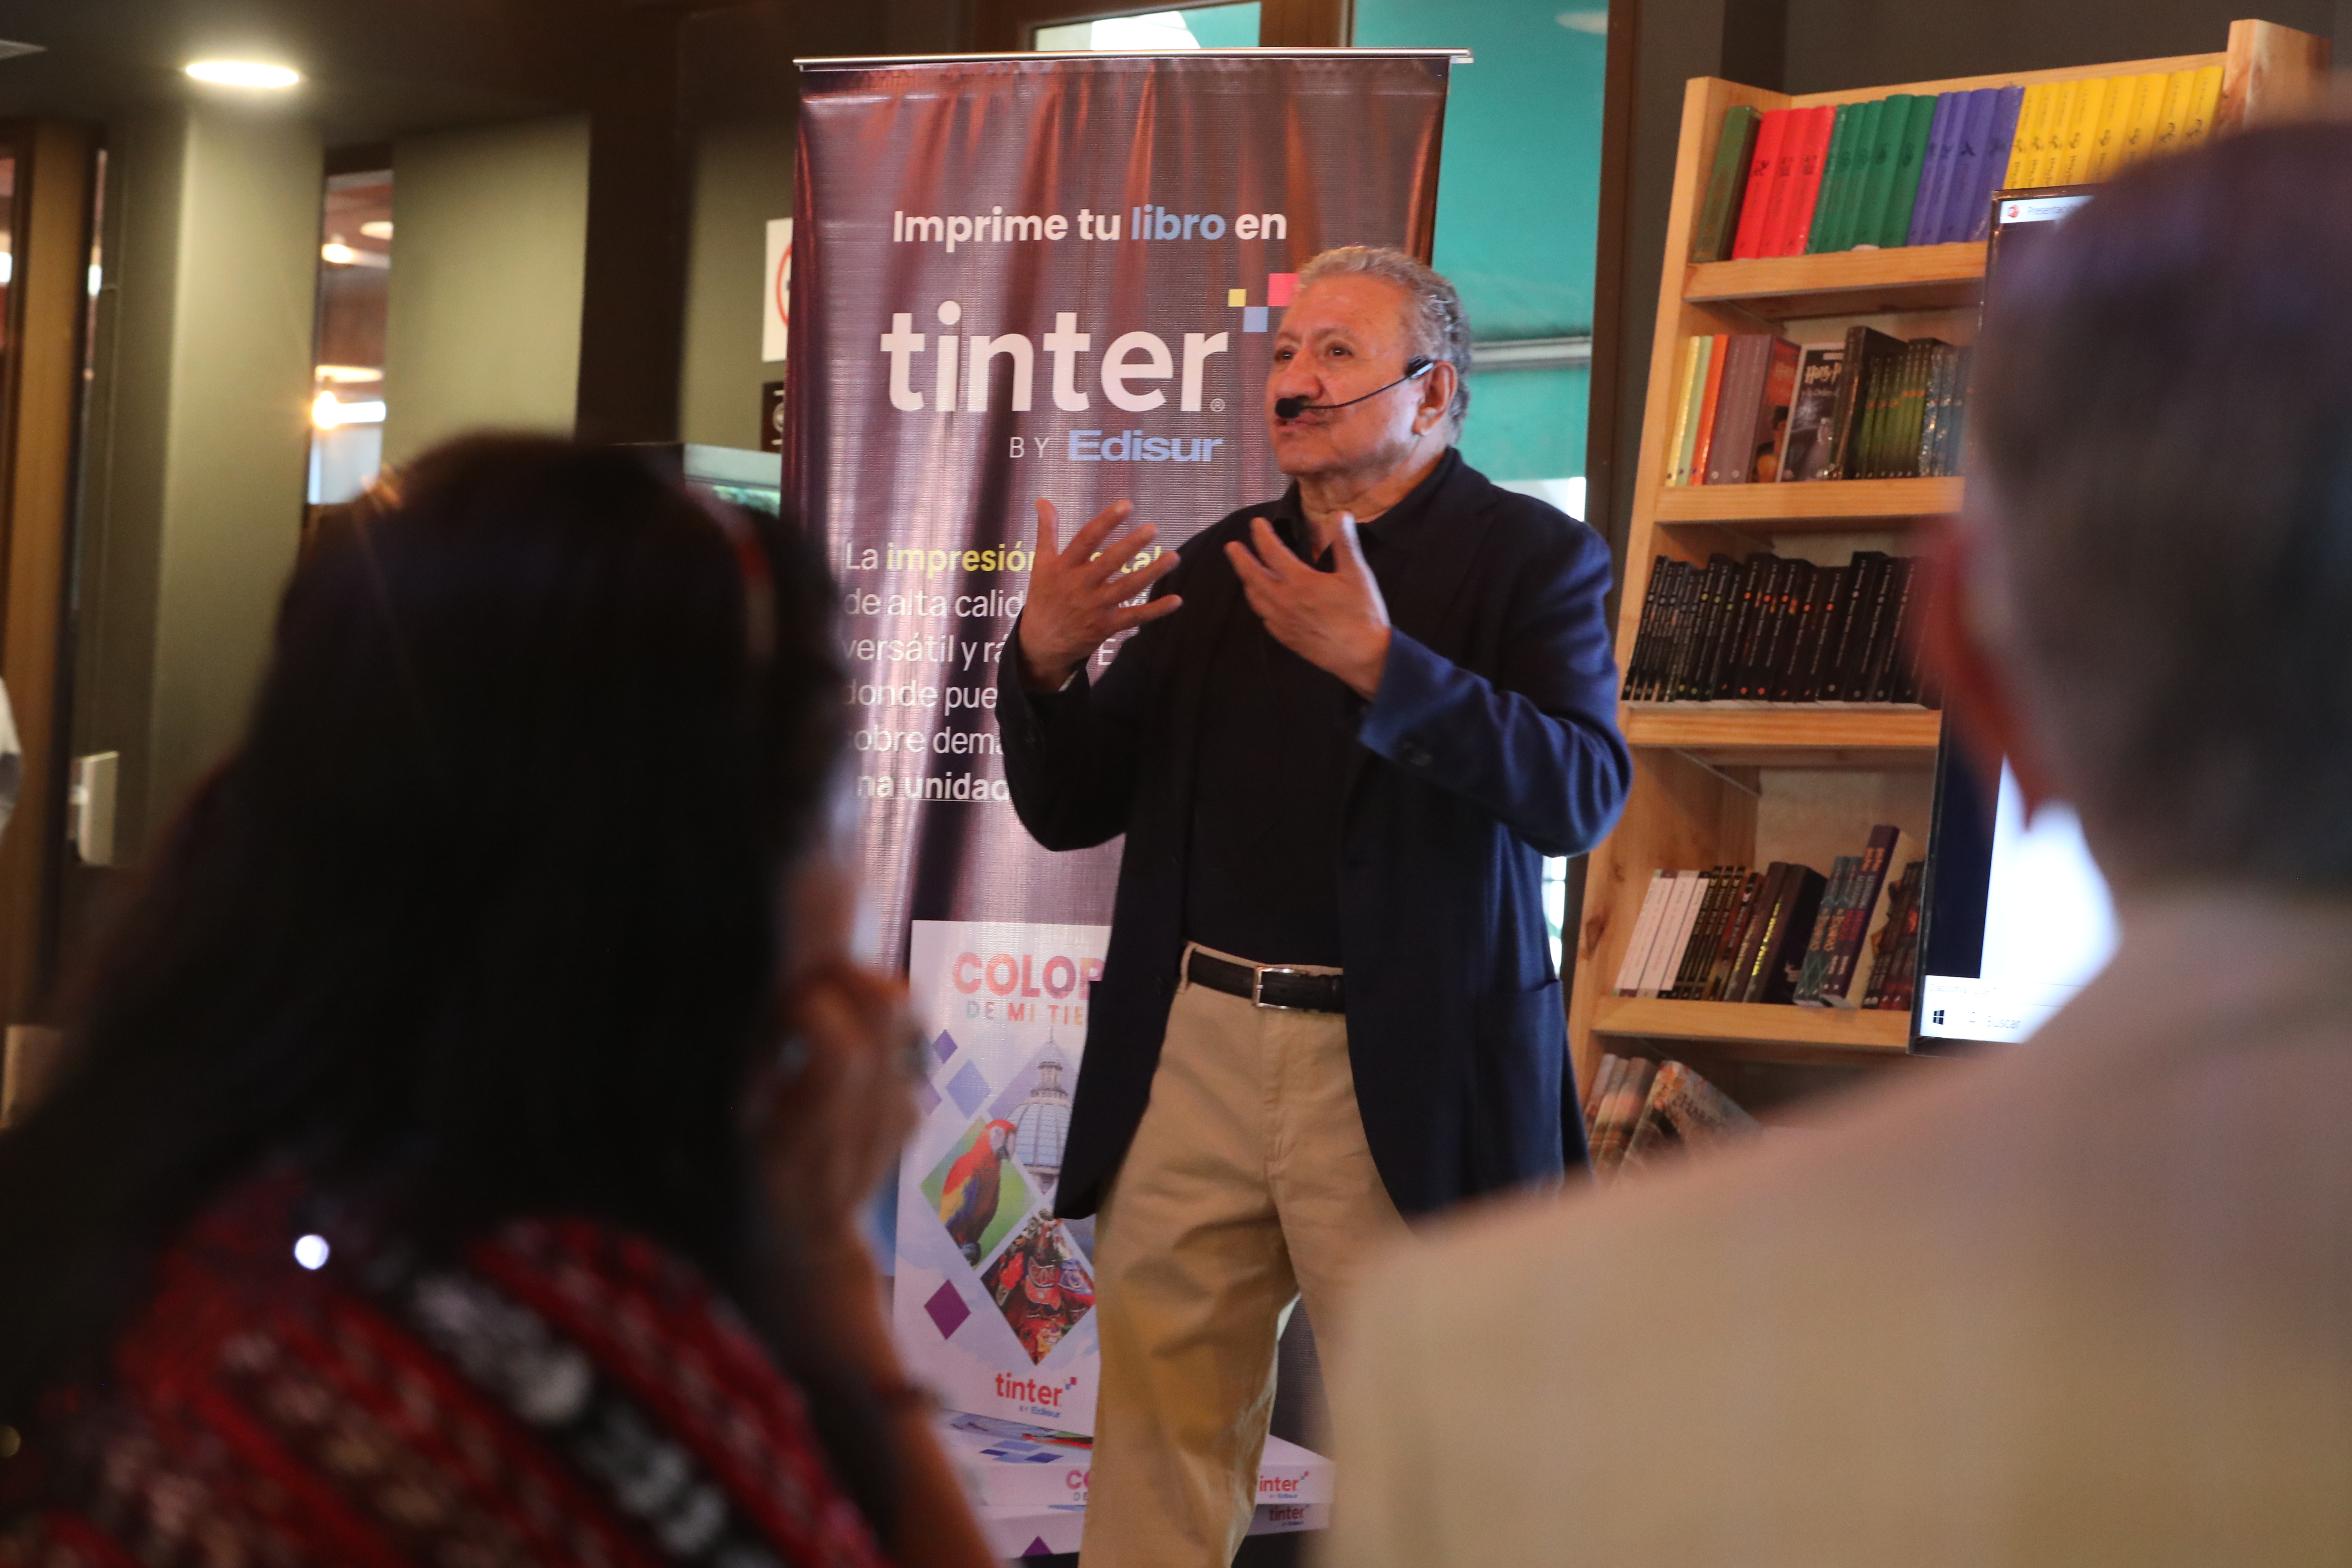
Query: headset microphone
pixel 1292 407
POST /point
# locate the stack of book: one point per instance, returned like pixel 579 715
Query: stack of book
pixel 1768 629
pixel 1916 169
pixel 1637 1111
pixel 1751 407
pixel 1784 934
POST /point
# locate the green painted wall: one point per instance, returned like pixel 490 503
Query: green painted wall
pixel 1518 202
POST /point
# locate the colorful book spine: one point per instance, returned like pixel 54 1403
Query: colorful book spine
pixel 1836 167
pixel 1756 202
pixel 1719 216
pixel 1998 149
pixel 1936 168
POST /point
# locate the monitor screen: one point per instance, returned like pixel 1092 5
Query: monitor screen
pixel 2018 918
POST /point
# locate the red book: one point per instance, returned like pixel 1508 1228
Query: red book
pixel 1809 139
pixel 1769 136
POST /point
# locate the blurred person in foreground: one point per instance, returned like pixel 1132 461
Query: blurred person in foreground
pixel 465 1127
pixel 2089 1301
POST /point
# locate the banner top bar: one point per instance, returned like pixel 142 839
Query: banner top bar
pixel 856 62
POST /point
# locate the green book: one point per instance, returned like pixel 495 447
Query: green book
pixel 1866 117
pixel 1910 157
pixel 1718 215
pixel 1833 170
pixel 1886 130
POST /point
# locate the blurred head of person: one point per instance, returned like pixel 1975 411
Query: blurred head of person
pixel 485 915
pixel 2149 605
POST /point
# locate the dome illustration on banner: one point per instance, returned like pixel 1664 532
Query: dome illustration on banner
pixel 1041 1123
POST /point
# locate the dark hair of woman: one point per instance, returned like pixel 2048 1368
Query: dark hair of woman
pixel 481 919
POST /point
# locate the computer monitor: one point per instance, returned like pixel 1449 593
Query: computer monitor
pixel 2017 918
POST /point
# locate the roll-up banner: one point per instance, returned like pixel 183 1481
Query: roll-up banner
pixel 1036 276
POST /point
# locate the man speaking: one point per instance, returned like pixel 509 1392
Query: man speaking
pixel 1353 722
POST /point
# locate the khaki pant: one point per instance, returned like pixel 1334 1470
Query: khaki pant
pixel 1249 1182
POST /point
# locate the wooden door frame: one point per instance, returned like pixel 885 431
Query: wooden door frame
pixel 40 453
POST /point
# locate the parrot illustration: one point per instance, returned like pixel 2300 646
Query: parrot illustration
pixel 968 1197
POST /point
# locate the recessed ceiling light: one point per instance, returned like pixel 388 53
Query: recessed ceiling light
pixel 9 50
pixel 350 374
pixel 243 73
pixel 377 228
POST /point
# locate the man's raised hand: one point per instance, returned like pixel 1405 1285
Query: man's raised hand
pixel 1078 596
pixel 1334 620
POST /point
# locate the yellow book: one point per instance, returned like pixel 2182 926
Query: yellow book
pixel 2025 151
pixel 2106 154
pixel 2054 135
pixel 1678 449
pixel 2204 103
pixel 2082 132
pixel 2176 88
pixel 2147 117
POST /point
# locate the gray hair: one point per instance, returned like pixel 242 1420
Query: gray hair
pixel 2162 415
pixel 1439 325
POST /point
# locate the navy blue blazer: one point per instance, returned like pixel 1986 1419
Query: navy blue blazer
pixel 1491 743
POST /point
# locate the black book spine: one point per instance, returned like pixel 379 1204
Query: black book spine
pixel 1677 623
pixel 1788 626
pixel 1672 578
pixel 1722 675
pixel 1845 668
pixel 1645 636
pixel 1790 680
pixel 1850 393
pixel 1886 658
pixel 1776 980
pixel 1831 591
pixel 1759 626
pixel 1687 637
pixel 1723 582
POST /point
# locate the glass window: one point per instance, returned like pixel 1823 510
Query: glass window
pixel 1518 204
pixel 1158 32
pixel 347 401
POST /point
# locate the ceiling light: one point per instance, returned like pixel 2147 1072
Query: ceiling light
pixel 349 375
pixel 9 50
pixel 341 254
pixel 377 228
pixel 243 73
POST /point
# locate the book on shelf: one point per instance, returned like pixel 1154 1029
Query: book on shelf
pixel 1785 934
pixel 1921 169
pixel 1772 629
pixel 1753 407
pixel 1638 1113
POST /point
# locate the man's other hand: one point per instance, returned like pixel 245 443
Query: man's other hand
pixel 1334 620
pixel 1077 597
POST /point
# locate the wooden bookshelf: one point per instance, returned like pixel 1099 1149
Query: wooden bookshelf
pixel 1745 784
pixel 1755 1031
pixel 1847 283
pixel 1821 506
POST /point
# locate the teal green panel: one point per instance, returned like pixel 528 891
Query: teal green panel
pixel 1224 26
pixel 1518 194
pixel 1528 424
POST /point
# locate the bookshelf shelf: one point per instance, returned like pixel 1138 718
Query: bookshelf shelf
pixel 1844 283
pixel 1790 735
pixel 1748 783
pixel 1819 506
pixel 1756 1031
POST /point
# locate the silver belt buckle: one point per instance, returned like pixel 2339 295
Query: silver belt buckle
pixel 1258 972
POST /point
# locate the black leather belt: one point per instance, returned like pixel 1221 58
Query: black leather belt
pixel 1267 985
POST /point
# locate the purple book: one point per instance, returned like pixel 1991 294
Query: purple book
pixel 1994 156
pixel 1967 163
pixel 1936 171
